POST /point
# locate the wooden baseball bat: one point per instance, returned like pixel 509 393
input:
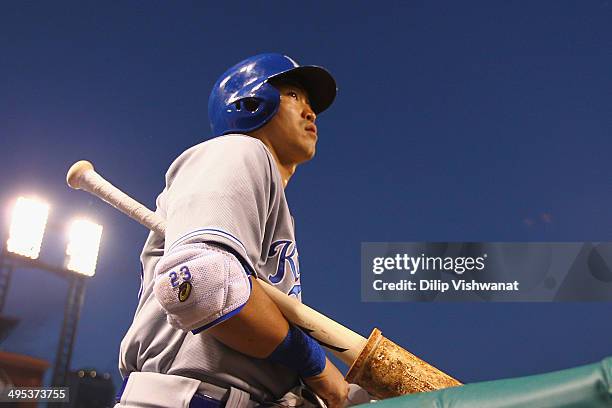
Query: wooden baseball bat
pixel 370 360
pixel 343 342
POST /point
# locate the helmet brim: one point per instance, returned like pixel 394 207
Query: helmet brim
pixel 317 81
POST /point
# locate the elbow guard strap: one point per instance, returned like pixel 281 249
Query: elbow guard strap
pixel 300 352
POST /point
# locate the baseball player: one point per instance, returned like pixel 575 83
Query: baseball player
pixel 204 333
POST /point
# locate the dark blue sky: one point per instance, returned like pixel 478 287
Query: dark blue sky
pixel 478 121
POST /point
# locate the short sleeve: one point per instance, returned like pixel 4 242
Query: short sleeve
pixel 221 191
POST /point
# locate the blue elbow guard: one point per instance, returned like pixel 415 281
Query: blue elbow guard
pixel 300 352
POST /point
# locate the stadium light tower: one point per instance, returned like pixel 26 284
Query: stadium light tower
pixel 82 256
pixel 83 245
pixel 28 222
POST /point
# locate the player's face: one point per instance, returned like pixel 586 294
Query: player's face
pixel 292 132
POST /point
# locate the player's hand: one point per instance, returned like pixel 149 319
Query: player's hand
pixel 329 385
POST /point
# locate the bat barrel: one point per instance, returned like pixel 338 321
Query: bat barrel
pixel 387 370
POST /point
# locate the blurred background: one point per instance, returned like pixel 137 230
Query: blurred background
pixel 470 121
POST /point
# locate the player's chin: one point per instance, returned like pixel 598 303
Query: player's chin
pixel 311 148
pixel 307 152
pixel 311 153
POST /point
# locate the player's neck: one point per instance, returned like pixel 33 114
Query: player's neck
pixel 285 170
pixel 286 173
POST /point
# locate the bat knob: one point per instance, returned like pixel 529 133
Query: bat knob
pixel 73 177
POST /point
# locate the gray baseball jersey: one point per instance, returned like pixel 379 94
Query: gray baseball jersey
pixel 226 191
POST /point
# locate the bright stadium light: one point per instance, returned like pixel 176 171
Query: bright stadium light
pixel 28 223
pixel 83 244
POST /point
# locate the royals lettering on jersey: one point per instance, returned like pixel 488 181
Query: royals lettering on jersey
pixel 286 252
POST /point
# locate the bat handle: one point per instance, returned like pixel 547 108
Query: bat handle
pixel 82 176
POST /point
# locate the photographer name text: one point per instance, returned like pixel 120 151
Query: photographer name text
pixel 414 264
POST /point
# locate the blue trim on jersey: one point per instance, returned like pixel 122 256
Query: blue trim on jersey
pixel 219 320
pixel 211 231
pixel 120 393
pixel 224 317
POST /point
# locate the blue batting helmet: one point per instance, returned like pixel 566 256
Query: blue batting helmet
pixel 243 100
